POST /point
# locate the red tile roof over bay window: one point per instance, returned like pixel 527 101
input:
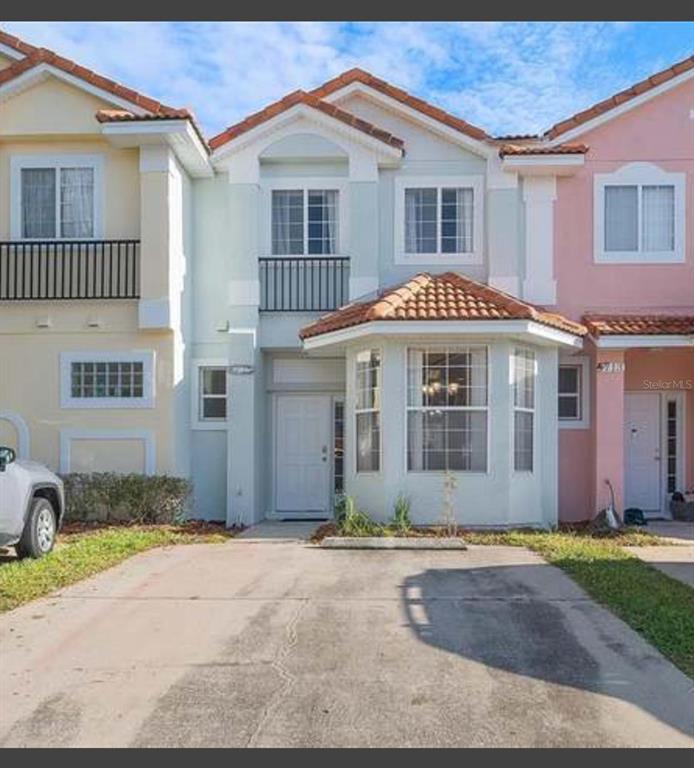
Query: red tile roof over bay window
pixel 639 325
pixel 449 296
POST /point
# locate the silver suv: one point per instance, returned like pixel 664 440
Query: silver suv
pixel 32 502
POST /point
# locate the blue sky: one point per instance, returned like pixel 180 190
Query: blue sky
pixel 506 77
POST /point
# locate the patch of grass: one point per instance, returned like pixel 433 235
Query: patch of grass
pixel 658 607
pixel 83 554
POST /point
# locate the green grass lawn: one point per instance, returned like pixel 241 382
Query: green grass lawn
pixel 83 554
pixel 658 607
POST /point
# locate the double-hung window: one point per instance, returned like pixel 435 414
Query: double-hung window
pixel 56 197
pixel 523 376
pixel 304 222
pixel 447 409
pixel 570 396
pixel 212 393
pixel 438 220
pixel 639 215
pixel 367 410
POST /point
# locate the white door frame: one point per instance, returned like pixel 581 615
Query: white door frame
pixel 665 396
pixel 329 399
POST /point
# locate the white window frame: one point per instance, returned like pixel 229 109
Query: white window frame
pixel 358 411
pixel 583 363
pixel 524 409
pixel 19 162
pixel 443 347
pixel 306 184
pixel 146 357
pixel 196 421
pixel 638 174
pixel 474 182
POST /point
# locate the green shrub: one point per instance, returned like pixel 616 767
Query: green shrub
pixel 401 514
pixel 108 497
pixel 352 521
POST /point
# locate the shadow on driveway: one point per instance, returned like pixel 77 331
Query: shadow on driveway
pixel 498 616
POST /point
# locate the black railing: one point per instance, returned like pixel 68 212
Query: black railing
pixel 303 283
pixel 69 269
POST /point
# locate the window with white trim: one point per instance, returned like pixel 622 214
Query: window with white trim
pixel 107 379
pixel 367 410
pixel 639 213
pixel 570 392
pixel 212 393
pixel 56 197
pixel 523 376
pixel 447 409
pixel 304 222
pixel 438 220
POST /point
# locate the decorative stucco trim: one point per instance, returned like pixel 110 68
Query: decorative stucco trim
pixel 23 443
pixel 69 434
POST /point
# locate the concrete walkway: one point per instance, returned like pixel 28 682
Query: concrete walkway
pixel 268 642
pixel 675 561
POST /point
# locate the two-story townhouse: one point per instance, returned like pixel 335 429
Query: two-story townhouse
pixel 95 237
pixel 442 250
pixel 363 293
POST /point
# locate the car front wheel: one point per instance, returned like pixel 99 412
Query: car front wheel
pixel 38 537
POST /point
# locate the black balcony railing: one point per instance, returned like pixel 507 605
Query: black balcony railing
pixel 69 269
pixel 303 283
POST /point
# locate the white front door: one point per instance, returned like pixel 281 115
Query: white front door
pixel 302 455
pixel 642 440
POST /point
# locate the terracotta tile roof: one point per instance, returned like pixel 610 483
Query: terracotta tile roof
pixel 529 149
pixel 619 98
pixel 18 45
pixel 639 325
pixel 449 296
pixel 302 97
pixel 357 75
pixel 43 56
pixel 125 116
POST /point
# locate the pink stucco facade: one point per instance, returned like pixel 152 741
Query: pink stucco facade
pixel 660 132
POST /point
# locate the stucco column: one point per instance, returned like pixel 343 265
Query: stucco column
pixel 362 243
pixel 609 427
pixel 547 431
pixel 245 428
pixel 499 436
pixel 539 194
pixel 503 231
pixel 243 244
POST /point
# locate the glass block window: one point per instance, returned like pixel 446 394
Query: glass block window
pixel 107 380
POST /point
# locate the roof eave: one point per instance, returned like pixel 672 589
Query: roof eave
pixel 528 330
pixel 177 133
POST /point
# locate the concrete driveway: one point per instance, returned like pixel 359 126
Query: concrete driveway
pixel 273 642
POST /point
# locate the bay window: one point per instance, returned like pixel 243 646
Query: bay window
pixel 367 410
pixel 447 409
pixel 523 377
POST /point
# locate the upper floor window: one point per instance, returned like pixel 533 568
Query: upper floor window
pixel 438 220
pixel 639 215
pixel 304 222
pixel 56 197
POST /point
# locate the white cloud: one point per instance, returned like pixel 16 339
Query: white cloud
pixel 504 77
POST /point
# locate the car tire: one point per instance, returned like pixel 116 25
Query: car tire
pixel 38 537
